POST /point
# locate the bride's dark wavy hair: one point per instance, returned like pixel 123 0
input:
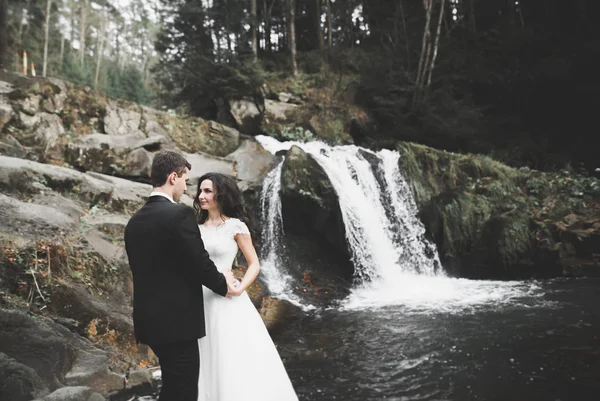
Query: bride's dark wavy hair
pixel 229 198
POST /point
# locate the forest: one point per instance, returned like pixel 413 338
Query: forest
pixel 513 79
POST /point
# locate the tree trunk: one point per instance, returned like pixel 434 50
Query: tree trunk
pixel 72 14
pixel 46 31
pixel 101 39
pixel 329 24
pixel 320 38
pixel 82 28
pixel 253 28
pixel 266 19
pixel 424 59
pixel 401 4
pixel 3 33
pixel 118 45
pixel 62 52
pixel 228 31
pixel 292 34
pixel 437 41
pixel 472 16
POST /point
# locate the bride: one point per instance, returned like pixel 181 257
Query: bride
pixel 238 360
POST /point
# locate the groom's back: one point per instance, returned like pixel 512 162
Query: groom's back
pixel 165 306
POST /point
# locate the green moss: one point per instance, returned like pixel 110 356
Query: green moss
pixel 459 218
pixel 515 239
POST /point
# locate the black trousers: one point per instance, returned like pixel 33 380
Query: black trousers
pixel 180 367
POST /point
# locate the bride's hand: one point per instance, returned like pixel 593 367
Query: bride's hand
pixel 234 288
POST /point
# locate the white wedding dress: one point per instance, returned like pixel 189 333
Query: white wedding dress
pixel 238 360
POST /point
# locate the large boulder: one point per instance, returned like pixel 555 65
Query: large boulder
pixel 492 221
pixel 58 356
pixel 6 111
pixel 39 219
pixel 49 135
pixel 112 154
pixel 120 121
pixel 246 115
pixel 125 196
pixel 251 162
pixel 19 382
pixel 280 111
pixel 310 206
pixel 10 146
pixel 111 309
pixel 55 102
pixel 195 135
pixel 203 163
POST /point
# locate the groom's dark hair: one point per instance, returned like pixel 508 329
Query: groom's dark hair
pixel 165 163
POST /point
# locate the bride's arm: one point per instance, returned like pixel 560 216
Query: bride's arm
pixel 244 242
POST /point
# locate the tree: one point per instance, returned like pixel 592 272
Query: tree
pixel 3 33
pixel 83 24
pixel 317 23
pixel 47 29
pixel 429 45
pixel 329 25
pixel 291 16
pixel 100 46
pixel 253 23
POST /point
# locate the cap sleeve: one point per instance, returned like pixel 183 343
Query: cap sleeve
pixel 239 227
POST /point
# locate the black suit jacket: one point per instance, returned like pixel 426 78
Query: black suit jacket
pixel 169 265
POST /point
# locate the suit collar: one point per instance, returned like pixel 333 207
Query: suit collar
pixel 158 198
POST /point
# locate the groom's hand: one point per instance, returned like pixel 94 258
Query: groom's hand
pixel 232 284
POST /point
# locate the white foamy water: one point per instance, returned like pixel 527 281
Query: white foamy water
pixel 272 265
pixel 394 263
pixel 420 293
pixel 272 232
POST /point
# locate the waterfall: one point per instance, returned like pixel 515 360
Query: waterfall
pixel 394 263
pixel 272 233
pixel 383 233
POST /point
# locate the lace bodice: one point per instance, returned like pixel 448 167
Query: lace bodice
pixel 220 241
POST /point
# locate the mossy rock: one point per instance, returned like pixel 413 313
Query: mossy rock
pixel 310 206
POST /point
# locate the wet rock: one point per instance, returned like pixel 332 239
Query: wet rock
pixel 284 97
pixel 246 115
pixel 152 127
pixel 19 382
pixel 31 220
pixel 251 161
pixel 9 146
pixel 194 134
pixel 47 135
pixel 79 393
pixel 6 111
pixel 139 164
pixel 57 101
pixel 5 88
pixel 140 379
pixel 27 122
pixel 203 163
pixel 31 104
pixel 96 397
pixel 57 356
pixel 108 223
pixel 107 154
pixel 120 121
pixel 310 205
pixel 125 195
pixel 18 175
pixel 277 313
pixel 279 111
pixel 91 368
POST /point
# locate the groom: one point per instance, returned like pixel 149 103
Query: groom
pixel 169 266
